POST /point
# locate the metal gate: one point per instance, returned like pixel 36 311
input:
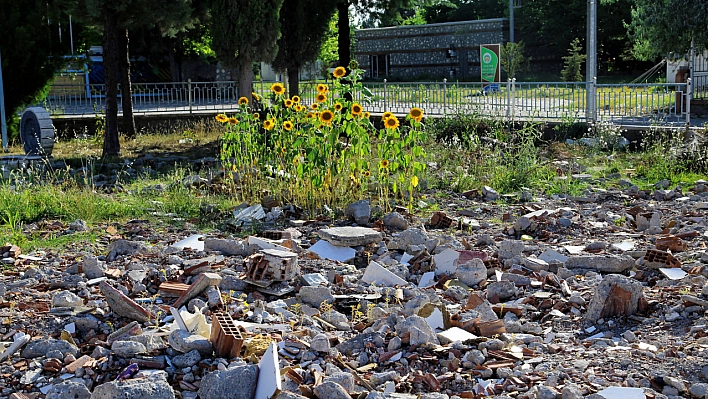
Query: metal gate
pixel 699 75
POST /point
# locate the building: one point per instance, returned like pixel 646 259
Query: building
pixel 434 51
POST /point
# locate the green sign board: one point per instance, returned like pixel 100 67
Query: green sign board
pixel 489 57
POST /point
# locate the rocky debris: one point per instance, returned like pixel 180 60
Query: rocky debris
pixel 603 295
pixel 359 212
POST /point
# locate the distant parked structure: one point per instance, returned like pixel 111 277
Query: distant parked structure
pixel 433 51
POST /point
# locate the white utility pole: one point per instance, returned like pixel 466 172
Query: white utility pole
pixel 591 61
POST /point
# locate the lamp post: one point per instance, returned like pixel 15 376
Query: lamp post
pixel 591 64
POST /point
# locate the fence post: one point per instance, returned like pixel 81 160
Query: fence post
pixel 513 99
pixel 689 94
pixel 444 96
pixel 189 94
pixel 384 96
pixel 508 98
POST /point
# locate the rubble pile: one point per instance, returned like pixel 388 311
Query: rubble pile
pixel 603 296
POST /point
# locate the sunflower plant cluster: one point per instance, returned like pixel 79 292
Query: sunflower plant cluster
pixel 320 153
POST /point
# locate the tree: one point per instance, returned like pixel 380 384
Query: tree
pixel 661 27
pixel 304 25
pixel 244 31
pixel 116 18
pixel 573 62
pixel 31 55
pixel 513 59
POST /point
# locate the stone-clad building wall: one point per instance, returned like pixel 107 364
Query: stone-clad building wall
pixel 427 51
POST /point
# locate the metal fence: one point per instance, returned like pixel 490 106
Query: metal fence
pixel 627 104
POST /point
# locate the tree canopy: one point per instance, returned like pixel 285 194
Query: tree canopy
pixel 31 55
pixel 304 24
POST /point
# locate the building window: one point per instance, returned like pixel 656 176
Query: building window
pixel 379 65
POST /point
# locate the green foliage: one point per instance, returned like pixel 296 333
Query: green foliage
pixel 661 27
pixel 513 59
pixel 30 52
pixel 304 26
pixel 573 63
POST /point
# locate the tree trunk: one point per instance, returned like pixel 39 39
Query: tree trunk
pixel 344 37
pixel 245 79
pixel 111 67
pixel 174 66
pixel 293 81
pixel 125 86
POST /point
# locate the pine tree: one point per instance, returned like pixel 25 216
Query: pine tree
pixel 573 62
pixel 245 31
pixel 304 24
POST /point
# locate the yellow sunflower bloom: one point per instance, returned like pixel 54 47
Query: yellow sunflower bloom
pixel 367 114
pixel 327 117
pixel 416 114
pixel 315 105
pixel 367 173
pixel 387 115
pixel 278 89
pixel 299 108
pixel 296 99
pixel 321 97
pixel 233 121
pixel 309 115
pixel 287 125
pixel 337 107
pixel 391 123
pixel 222 118
pixel 357 109
pixel 339 72
pixel 256 116
pixel 384 163
pixel 269 124
pixel 322 88
pixel 255 96
pixel 243 101
pixel 288 103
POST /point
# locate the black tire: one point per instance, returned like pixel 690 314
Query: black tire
pixel 37 132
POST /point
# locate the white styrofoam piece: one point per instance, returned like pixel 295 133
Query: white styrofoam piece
pixel 446 262
pixel 405 258
pixel 325 250
pixel 379 275
pixel 673 273
pixel 427 280
pixel 574 249
pixel 71 328
pixel 622 393
pixel 192 242
pixel 624 246
pixel 269 382
pixel 455 334
pixel 435 320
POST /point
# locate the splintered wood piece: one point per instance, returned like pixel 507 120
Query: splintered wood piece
pixel 491 328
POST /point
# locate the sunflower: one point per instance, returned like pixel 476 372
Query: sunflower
pixel 233 120
pixel 414 181
pixel 337 107
pixel 309 115
pixel 322 88
pixel 384 163
pixel 321 97
pixel 278 88
pixel 287 125
pixel 416 113
pixel 299 108
pixel 243 101
pixel 339 72
pixel 327 117
pixel 367 173
pixel 357 109
pixel 288 103
pixel 391 123
pixel 222 118
pixel 255 96
pixel 367 114
pixel 256 116
pixel 296 99
pixel 315 105
pixel 296 160
pixel 387 115
pixel 269 124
